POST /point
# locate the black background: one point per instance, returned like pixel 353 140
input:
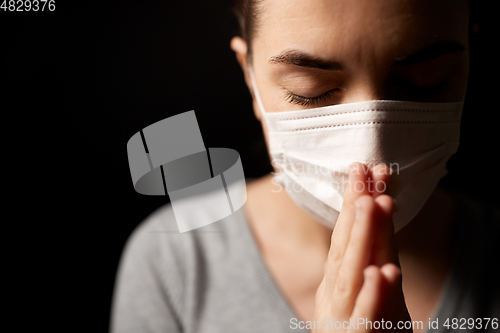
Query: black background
pixel 78 82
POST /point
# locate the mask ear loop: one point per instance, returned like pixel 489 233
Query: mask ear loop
pixel 256 92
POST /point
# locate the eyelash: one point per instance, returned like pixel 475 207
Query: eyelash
pixel 439 89
pixel 290 97
pixel 305 101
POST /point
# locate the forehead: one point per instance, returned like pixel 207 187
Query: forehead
pixel 358 28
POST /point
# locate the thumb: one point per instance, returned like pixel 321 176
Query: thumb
pixel 384 248
pixel 394 305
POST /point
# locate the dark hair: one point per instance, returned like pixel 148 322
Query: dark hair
pixel 246 12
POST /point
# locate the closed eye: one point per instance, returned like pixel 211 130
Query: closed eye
pixel 306 101
pixel 412 92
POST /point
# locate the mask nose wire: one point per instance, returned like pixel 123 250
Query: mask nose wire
pixel 256 91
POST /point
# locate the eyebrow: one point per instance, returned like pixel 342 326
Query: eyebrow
pixel 302 59
pixel 299 58
pixel 430 52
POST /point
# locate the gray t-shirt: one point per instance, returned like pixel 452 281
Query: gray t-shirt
pixel 214 279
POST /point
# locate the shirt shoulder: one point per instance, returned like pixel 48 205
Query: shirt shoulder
pixel 160 267
pixel 158 242
pixel 472 287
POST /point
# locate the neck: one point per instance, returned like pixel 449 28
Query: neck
pixel 430 230
pixel 280 219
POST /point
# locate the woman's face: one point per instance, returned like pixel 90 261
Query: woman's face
pixel 323 52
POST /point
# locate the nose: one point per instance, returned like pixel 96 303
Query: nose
pixel 367 89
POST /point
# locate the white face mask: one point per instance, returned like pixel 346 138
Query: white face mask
pixel 313 149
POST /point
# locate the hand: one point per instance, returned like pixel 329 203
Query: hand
pixel 362 280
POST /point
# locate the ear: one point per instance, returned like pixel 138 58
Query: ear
pixel 239 46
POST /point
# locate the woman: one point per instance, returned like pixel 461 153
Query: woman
pixel 276 265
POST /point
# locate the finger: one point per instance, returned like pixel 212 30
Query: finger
pixel 394 297
pixel 369 301
pixel 320 292
pixel 380 178
pixel 391 274
pixel 394 305
pixel 381 253
pixel 356 258
pixel 384 248
pixel 356 187
pixel 392 279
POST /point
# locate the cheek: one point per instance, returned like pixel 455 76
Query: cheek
pixel 458 82
pixel 258 114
